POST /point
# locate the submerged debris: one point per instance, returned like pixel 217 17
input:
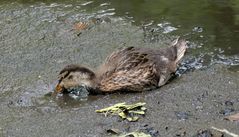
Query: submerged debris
pixel 129 112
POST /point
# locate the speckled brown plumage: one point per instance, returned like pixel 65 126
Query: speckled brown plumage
pixel 127 69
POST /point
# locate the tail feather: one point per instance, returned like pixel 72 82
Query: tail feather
pixel 180 45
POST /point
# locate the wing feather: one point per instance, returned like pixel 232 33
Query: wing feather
pixel 129 69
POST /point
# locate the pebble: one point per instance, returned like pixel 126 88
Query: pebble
pixel 204 133
pixel 150 130
pixel 182 115
pixel 197 29
pixel 226 111
pixel 228 103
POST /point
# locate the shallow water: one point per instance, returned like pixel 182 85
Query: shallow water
pixel 37 39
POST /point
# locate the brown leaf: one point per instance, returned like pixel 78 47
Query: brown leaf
pixel 80 26
pixel 234 117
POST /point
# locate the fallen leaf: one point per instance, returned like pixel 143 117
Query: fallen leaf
pixel 137 112
pixel 132 119
pixel 122 115
pixel 125 111
pixel 111 109
pixel 234 117
pixel 143 108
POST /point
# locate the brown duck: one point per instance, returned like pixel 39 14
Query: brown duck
pixel 127 69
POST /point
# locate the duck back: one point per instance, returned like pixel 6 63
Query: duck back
pixel 139 69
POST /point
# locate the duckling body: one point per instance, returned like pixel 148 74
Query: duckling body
pixel 127 69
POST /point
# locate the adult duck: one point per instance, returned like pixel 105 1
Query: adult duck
pixel 127 69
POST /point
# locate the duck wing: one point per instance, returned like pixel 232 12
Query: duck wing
pixel 128 69
pixel 139 69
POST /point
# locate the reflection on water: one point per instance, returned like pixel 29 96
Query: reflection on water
pixel 212 27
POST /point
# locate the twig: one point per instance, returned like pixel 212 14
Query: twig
pixel 225 131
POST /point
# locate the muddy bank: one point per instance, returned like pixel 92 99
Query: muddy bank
pixel 200 97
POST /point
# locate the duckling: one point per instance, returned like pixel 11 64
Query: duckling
pixel 131 69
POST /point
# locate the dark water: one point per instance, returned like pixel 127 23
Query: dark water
pixel 212 26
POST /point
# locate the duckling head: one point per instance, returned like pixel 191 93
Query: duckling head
pixel 75 77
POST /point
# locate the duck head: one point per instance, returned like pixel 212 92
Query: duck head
pixel 73 76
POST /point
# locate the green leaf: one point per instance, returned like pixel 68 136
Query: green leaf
pixel 137 112
pixel 132 119
pixel 122 115
pixel 143 108
pixel 125 111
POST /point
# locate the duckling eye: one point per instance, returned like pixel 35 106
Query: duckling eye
pixel 70 77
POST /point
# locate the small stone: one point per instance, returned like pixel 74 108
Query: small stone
pixel 226 111
pixel 166 128
pixel 204 133
pixel 150 130
pixel 145 125
pixel 198 29
pixel 228 103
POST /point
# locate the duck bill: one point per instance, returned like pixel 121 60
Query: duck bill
pixel 58 89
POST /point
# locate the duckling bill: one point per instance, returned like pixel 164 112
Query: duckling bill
pixel 127 69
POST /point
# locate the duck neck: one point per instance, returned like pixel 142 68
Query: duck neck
pixel 93 86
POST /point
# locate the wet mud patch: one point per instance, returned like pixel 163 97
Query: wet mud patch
pixel 184 107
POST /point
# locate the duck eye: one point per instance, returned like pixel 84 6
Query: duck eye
pixel 70 77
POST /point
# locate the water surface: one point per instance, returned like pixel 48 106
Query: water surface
pixel 212 26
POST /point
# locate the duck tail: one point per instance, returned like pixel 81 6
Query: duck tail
pixel 181 46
